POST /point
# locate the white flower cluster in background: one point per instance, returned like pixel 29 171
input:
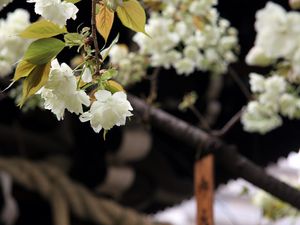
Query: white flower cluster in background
pixel 61 93
pixel 56 11
pixel 274 97
pixel 188 36
pixel 262 115
pixel 12 47
pixel 275 27
pixel 131 66
pixel 4 3
pixel 277 44
pixel 278 37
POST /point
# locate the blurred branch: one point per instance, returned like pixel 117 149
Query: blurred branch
pixel 227 155
pixel 213 108
pixel 153 86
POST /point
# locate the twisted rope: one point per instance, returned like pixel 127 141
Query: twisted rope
pixel 66 196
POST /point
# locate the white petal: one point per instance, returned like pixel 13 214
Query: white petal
pixel 85 117
pixel 102 95
pixel 87 75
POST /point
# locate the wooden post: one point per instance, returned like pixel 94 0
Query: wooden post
pixel 204 190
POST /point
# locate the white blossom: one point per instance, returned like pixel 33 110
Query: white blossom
pixel 184 66
pixel 86 75
pixel 60 92
pixel 257 57
pixel 12 47
pixel 275 84
pixel 117 53
pixel 259 118
pixel 131 66
pixel 178 40
pixel 278 32
pixel 200 7
pixel 289 106
pixel 56 11
pixel 263 115
pixel 257 82
pixel 108 110
pixel 294 75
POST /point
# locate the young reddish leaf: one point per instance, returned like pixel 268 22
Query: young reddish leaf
pixel 23 69
pixel 132 15
pixel 35 81
pixel 104 20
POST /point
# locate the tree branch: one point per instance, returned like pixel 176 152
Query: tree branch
pixel 228 156
pixel 179 129
pixel 94 35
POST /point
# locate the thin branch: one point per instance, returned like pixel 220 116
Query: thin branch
pixel 202 120
pixel 239 82
pixel 94 35
pixel 229 125
pixel 226 155
pixel 153 86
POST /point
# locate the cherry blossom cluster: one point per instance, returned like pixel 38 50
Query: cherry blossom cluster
pixel 131 66
pixel 66 88
pixel 185 35
pixel 276 94
pixel 188 36
pixel 61 93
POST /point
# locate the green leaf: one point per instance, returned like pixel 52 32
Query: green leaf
pixel 43 50
pixel 108 74
pixel 42 29
pixel 104 53
pixel 73 1
pixel 23 69
pixel 104 21
pixel 132 15
pixel 35 80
